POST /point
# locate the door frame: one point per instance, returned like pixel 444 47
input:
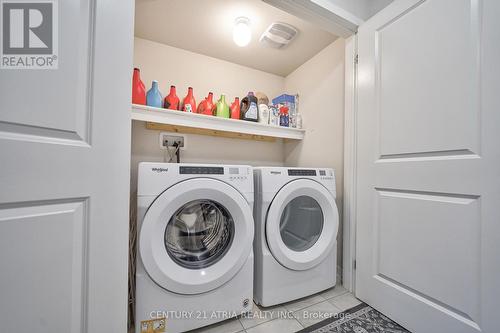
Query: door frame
pixel 336 20
pixel 350 165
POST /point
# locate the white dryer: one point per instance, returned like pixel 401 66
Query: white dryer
pixel 296 225
pixel 194 255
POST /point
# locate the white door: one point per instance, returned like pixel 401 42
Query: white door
pixel 302 224
pixel 64 176
pixel 428 219
pixel 196 236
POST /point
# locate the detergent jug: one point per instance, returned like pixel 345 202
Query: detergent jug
pixel 171 101
pixel 138 88
pixel 235 109
pixel 263 114
pixel 249 109
pixel 189 104
pixel 207 105
pixel 222 109
pixel 154 97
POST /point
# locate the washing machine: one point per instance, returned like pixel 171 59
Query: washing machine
pixel 296 225
pixel 194 253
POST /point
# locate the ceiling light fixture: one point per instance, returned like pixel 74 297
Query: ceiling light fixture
pixel 241 31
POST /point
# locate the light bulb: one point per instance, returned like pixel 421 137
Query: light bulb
pixel 241 32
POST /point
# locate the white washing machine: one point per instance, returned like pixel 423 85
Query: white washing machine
pixel 194 255
pixel 296 225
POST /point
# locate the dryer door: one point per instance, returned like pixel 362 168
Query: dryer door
pixel 302 224
pixel 196 236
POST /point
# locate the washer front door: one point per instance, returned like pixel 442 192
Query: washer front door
pixel 302 224
pixel 196 236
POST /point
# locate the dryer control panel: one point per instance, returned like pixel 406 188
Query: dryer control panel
pixel 271 178
pixel 301 172
pixel 323 173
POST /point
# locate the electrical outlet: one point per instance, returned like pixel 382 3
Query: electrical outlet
pixel 169 139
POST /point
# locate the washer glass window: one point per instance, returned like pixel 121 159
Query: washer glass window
pixel 199 234
pixel 301 223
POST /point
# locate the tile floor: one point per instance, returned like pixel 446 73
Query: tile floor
pixel 288 317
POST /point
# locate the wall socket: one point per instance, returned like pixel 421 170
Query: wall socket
pixel 168 140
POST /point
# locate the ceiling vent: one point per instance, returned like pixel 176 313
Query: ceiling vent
pixel 278 35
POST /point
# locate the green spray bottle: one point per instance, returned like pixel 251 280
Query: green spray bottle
pixel 222 109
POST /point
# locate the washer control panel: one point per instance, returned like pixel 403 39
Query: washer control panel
pixel 234 173
pixel 199 170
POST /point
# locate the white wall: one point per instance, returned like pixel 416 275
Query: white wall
pixel 173 66
pixel 320 85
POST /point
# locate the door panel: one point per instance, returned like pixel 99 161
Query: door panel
pixel 428 169
pixel 405 219
pixel 42 245
pixel 63 108
pixel 443 85
pixel 64 175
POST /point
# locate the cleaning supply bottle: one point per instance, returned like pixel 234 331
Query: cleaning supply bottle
pixel 249 109
pixel 274 115
pixel 171 101
pixel 299 120
pixel 154 97
pixel 263 114
pixel 222 109
pixel 235 109
pixel 138 88
pixel 207 105
pixel 189 104
pixel 284 117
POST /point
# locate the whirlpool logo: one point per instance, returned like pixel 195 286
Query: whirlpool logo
pixel 29 34
pixel 159 169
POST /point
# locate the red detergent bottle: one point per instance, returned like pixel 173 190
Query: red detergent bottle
pixel 138 88
pixel 189 104
pixel 171 101
pixel 206 106
pixel 235 109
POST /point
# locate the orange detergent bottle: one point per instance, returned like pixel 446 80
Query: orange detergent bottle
pixel 171 101
pixel 189 104
pixel 235 109
pixel 207 105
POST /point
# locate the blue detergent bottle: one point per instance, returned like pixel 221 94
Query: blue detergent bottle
pixel 154 97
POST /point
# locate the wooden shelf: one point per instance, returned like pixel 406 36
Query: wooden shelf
pixel 193 123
